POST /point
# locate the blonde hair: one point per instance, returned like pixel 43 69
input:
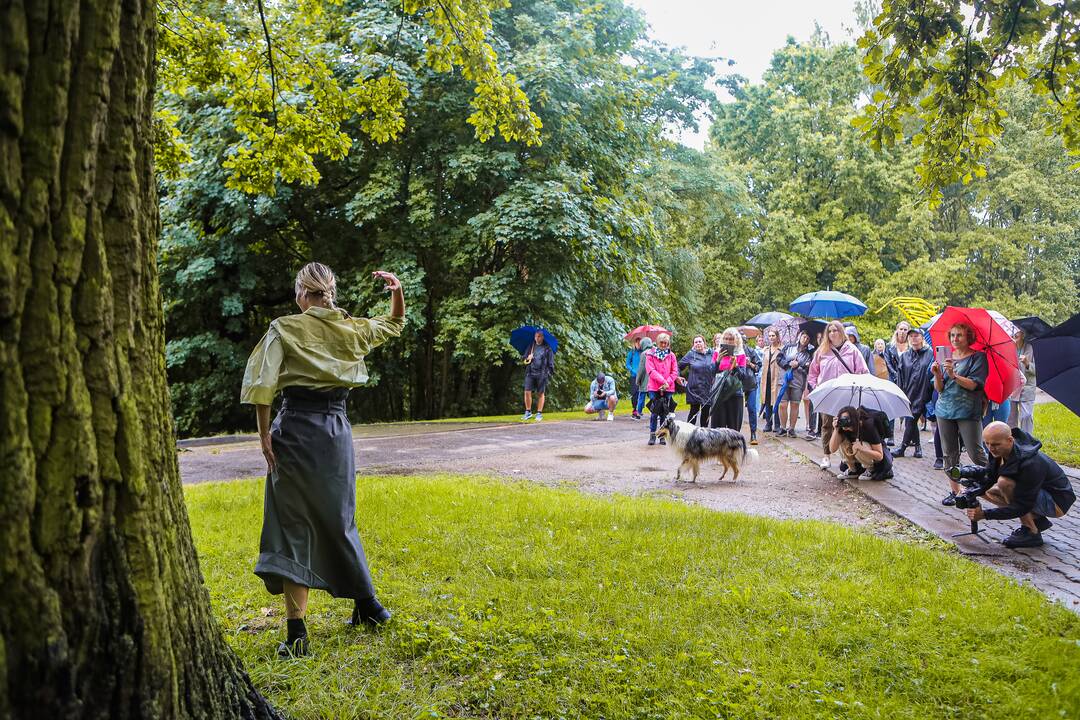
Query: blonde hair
pixel 317 281
pixel 739 349
pixel 826 343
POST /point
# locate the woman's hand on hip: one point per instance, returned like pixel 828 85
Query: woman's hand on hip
pixel 268 452
pixel 391 280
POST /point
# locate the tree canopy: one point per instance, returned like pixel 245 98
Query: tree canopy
pixel 943 70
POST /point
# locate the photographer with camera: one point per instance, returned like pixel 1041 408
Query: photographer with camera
pixel 602 397
pixel 857 436
pixel 1021 480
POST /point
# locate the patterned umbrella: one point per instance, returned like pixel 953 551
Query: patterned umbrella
pixel 765 319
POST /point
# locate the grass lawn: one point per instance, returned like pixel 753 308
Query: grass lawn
pixel 515 601
pixel 1059 430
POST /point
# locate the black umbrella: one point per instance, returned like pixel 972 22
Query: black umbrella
pixel 1033 326
pixel 765 319
pixel 812 328
pixel 1057 363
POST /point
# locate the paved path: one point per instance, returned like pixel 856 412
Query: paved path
pixel 915 493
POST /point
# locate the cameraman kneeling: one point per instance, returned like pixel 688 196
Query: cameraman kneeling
pixel 1026 484
pixel 857 435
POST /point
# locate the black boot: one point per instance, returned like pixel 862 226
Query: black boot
pixel 296 642
pixel 652 438
pixel 661 440
pixel 370 612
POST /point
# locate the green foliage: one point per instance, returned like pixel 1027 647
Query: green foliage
pixel 942 69
pixel 1059 430
pixel 562 605
pixel 293 74
pixel 486 236
pixel 831 212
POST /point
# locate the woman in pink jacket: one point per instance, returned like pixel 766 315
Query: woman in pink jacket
pixel 834 358
pixel 662 368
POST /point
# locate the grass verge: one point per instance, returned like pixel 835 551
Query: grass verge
pixel 1059 430
pixel 515 601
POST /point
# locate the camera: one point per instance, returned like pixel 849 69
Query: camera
pixel 972 477
pixel 844 422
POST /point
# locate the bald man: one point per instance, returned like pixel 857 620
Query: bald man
pixel 1027 485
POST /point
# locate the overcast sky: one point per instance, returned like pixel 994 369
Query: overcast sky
pixel 746 32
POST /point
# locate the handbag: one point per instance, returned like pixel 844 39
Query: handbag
pixel 724 386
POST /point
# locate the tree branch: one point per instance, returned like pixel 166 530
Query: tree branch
pixel 270 58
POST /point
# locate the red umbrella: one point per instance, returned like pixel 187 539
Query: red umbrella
pixel 649 331
pixel 1003 376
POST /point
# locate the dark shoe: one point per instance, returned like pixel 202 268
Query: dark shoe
pixel 652 438
pixel 939 464
pixel 844 466
pixel 810 437
pixel 1023 538
pixel 297 647
pixel 662 441
pixel 887 475
pixel 370 612
pixel 781 432
pixel 949 500
pixel 899 452
pixel 753 438
pixel 918 452
pixel 1043 523
pixel 889 442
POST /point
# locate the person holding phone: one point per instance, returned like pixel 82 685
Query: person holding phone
pixel 730 357
pixel 959 377
pixel 309 537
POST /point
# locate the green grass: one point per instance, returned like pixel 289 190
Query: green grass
pixel 515 601
pixel 1059 430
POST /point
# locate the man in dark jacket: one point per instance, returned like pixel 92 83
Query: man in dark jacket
pixel 1027 485
pixel 913 377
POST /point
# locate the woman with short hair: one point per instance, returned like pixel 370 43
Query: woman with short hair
pixel 960 382
pixel 309 537
pixel 540 366
pixel 702 370
pixel 663 373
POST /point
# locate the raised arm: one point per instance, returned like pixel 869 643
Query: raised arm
pixel 393 286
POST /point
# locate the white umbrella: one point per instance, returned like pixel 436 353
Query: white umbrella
pixel 868 391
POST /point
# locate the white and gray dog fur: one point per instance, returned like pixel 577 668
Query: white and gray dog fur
pixel 696 445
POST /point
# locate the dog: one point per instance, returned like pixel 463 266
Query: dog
pixel 696 444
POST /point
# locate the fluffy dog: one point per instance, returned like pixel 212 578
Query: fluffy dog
pixel 696 444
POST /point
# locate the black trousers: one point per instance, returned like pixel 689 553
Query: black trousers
pixel 703 410
pixel 911 432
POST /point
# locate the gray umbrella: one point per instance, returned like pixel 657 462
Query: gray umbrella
pixel 765 319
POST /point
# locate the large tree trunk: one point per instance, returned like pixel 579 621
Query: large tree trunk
pixel 102 609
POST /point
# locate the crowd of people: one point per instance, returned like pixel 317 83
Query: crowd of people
pixel 736 377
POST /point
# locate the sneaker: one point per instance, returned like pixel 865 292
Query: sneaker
pixel 918 452
pixel 848 474
pixel 1023 538
pixel 652 438
pixel 949 500
pixel 939 464
pixel 809 437
pixel 899 452
pixel 889 442
pixel 753 438
pixel 781 432
pixel 825 463
pixel 527 415
pixel 1042 524
pixel 539 417
pixel 610 416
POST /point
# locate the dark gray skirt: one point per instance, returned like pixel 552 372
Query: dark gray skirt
pixel 309 534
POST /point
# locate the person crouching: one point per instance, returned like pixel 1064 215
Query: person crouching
pixel 602 397
pixel 1027 484
pixel 857 435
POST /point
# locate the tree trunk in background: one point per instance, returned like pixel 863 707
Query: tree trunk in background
pixel 102 609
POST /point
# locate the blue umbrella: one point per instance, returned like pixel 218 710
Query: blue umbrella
pixel 522 338
pixel 827 304
pixel 1057 363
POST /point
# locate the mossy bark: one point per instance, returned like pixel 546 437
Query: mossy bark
pixel 102 608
